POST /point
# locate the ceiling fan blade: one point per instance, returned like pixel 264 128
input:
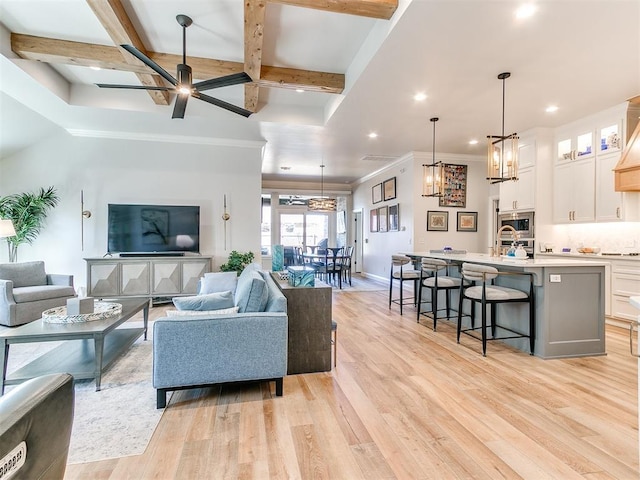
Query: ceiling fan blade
pixel 222 104
pixel 135 87
pixel 180 106
pixel 227 80
pixel 150 63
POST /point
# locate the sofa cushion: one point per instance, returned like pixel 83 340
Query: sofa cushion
pixel 276 301
pixel 251 292
pixel 42 292
pixel 218 282
pixel 200 313
pixel 211 301
pixel 24 274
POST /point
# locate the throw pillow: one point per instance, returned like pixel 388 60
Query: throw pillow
pixel 251 292
pixel 200 313
pixel 212 301
pixel 218 282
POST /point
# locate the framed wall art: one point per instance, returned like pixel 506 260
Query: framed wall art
pixel 455 186
pixel 394 217
pixel 467 222
pixel 389 189
pixel 376 193
pixel 373 220
pixel 383 219
pixel 437 221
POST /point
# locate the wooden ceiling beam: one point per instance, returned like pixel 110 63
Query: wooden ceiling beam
pixel 113 17
pixel 254 11
pixel 382 9
pixel 65 52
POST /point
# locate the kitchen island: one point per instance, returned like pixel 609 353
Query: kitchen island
pixel 569 302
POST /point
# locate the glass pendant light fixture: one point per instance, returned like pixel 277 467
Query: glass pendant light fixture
pixel 322 204
pixel 433 174
pixel 502 154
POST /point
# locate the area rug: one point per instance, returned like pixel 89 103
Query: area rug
pixel 120 419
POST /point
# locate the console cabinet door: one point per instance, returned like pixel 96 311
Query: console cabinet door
pixel 134 278
pixel 191 272
pixel 103 280
pixel 166 277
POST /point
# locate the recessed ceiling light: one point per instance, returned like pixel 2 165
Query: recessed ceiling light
pixel 551 109
pixel 473 142
pixel 285 168
pixel 299 90
pixel 525 10
pixel 95 68
pixel 373 135
pixel 420 97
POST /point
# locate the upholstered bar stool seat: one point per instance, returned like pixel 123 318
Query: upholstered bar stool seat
pixel 402 270
pixel 482 290
pixel 434 275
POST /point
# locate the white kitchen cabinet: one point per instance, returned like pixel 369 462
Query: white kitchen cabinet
pixel 625 282
pixel 574 189
pixel 576 142
pixel 612 206
pixel 518 196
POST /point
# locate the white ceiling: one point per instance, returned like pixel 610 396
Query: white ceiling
pixel 582 56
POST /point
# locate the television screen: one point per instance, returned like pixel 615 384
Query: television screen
pixel 153 228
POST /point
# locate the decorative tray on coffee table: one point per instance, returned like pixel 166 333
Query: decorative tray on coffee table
pixel 101 310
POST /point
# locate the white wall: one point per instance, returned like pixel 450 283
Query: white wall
pixel 128 171
pixel 413 236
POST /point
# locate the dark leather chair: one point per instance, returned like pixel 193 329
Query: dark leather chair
pixel 35 427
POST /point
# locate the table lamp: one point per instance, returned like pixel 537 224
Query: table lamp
pixel 6 229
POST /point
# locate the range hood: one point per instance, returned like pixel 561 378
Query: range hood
pixel 627 170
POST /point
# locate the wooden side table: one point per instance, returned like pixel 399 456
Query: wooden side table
pixel 309 312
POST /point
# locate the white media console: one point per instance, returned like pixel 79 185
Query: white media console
pixel 158 276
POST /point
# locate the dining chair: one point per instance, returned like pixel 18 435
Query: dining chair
pixel 332 268
pixel 346 264
pixel 402 270
pixel 434 275
pixel 481 289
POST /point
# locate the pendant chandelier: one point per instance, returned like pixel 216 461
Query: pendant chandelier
pixel 502 154
pixel 433 174
pixel 322 204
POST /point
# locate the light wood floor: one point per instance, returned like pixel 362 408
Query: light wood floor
pixel 404 403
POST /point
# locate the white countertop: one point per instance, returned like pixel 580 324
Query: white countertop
pixel 498 261
pixel 591 256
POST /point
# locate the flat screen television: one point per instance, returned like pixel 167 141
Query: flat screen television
pixel 147 229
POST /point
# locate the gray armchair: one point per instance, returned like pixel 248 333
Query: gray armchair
pixel 26 291
pixel 35 427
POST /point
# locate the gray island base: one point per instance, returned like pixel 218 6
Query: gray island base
pixel 569 302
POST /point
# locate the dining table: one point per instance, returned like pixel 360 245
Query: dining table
pixel 320 260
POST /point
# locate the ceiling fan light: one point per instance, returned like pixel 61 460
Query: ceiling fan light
pixel 184 90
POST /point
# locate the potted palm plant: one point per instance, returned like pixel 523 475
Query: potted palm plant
pixel 27 211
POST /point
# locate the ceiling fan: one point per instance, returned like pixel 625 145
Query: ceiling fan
pixel 183 85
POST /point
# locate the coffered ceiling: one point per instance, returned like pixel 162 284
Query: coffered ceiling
pixel 358 62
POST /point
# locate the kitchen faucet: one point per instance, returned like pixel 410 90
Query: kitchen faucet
pixel 514 235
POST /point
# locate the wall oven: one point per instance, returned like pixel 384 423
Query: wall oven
pixel 523 223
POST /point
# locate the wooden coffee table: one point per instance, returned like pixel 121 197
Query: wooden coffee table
pixel 88 350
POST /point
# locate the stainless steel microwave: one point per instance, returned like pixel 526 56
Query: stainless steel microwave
pixel 521 222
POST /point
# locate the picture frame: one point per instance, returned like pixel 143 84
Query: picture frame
pixel 455 186
pixel 383 219
pixel 376 193
pixel 373 220
pixel 467 222
pixel 394 217
pixel 389 189
pixel 437 221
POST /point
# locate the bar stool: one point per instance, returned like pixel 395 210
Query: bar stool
pixel 481 289
pixel 334 341
pixel 434 275
pixel 402 270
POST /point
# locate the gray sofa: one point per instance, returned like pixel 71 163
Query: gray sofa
pixel 26 291
pixel 200 350
pixel 35 427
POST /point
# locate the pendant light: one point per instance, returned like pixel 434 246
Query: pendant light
pixel 322 204
pixel 433 174
pixel 502 154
